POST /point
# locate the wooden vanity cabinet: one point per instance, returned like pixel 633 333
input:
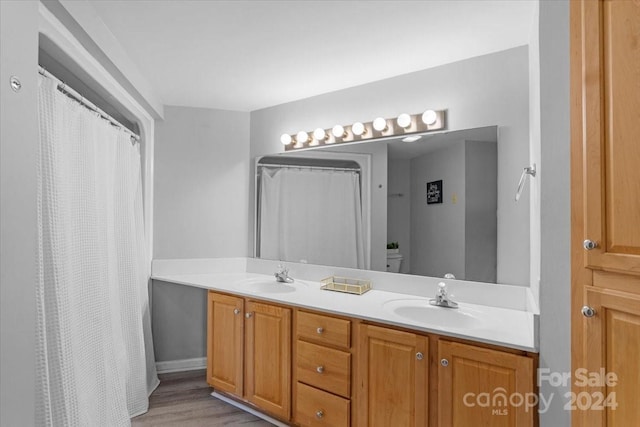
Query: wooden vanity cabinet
pixel 254 339
pixel 393 377
pixel 323 370
pixel 225 343
pixel 477 386
pixel 350 373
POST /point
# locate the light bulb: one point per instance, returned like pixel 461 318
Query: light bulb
pixel 302 137
pixel 429 117
pixel 404 120
pixel 285 139
pixel 338 131
pixel 319 134
pixel 380 124
pixel 358 128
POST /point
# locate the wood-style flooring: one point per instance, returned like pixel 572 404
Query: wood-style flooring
pixel 183 399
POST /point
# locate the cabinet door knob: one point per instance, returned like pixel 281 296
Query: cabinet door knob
pixel 320 330
pixel 444 362
pixel 419 355
pixel 320 414
pixel 248 315
pixel 320 369
pixel 589 244
pixel 588 311
pixel 236 311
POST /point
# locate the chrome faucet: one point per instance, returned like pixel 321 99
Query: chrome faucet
pixel 282 275
pixel 442 299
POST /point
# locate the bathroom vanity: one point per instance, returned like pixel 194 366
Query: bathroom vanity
pixel 306 356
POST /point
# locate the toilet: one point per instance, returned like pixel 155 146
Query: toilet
pixel 394 262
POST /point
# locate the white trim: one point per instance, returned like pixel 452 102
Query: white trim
pixel 55 31
pixel 181 365
pixel 249 409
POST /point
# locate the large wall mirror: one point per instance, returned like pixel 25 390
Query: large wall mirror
pixel 432 205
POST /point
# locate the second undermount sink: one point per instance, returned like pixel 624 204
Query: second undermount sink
pixel 419 310
pixel 268 286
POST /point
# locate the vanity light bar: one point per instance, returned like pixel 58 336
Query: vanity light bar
pixel 404 124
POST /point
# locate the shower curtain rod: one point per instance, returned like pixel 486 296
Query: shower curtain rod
pixel 275 165
pixel 62 87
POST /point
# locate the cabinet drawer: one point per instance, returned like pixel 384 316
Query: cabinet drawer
pixel 324 329
pixel 319 408
pixel 324 368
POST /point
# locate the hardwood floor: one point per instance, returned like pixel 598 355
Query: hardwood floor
pixel 183 399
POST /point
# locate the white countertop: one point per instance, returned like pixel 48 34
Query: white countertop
pixel 492 325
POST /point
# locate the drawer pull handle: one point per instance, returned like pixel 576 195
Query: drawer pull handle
pixel 419 355
pixel 320 414
pixel 320 330
pixel 248 315
pixel 236 311
pixel 320 369
pixel 444 362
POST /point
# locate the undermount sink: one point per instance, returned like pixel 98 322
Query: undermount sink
pixel 419 310
pixel 268 286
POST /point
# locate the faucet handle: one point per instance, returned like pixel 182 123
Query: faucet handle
pixel 442 288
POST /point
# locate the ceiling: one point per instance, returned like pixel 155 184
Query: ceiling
pixel 399 150
pixel 248 55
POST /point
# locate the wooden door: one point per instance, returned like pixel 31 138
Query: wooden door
pixel 482 387
pixel 393 376
pixel 605 200
pixel 608 387
pixel 268 358
pixel 225 332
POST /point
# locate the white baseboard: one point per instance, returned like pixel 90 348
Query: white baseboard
pixel 249 410
pixel 181 365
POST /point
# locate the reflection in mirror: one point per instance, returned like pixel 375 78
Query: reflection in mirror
pixel 310 211
pixel 439 214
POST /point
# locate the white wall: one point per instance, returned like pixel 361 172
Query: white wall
pixel 555 262
pixel 18 216
pixel 201 211
pixel 483 91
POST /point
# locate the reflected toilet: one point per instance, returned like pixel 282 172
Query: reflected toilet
pixel 394 262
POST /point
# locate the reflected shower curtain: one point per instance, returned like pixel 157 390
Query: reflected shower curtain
pixel 95 363
pixel 311 215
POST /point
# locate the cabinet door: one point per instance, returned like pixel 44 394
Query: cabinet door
pixel 268 358
pixel 612 347
pixel 475 386
pixel 606 129
pixel 393 377
pixel 225 332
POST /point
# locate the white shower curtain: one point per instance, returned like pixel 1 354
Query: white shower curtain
pixel 95 362
pixel 311 215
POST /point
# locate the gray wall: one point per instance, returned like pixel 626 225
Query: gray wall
pixel 457 236
pixel 18 216
pixel 481 202
pixel 482 91
pixel 201 179
pixel 399 209
pixel 437 230
pixel 555 278
pixel 201 182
